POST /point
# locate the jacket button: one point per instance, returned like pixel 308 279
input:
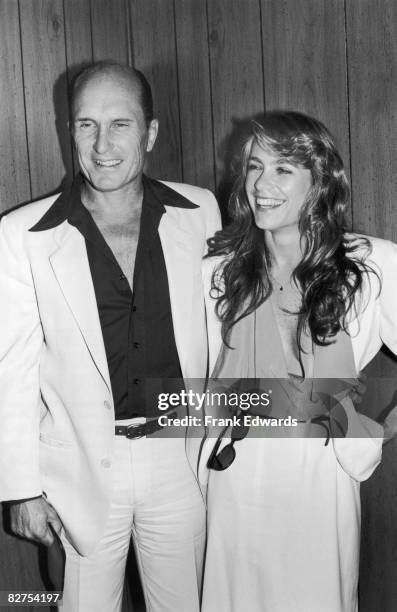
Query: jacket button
pixel 107 405
pixel 105 463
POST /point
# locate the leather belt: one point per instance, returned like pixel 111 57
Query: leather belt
pixel 133 432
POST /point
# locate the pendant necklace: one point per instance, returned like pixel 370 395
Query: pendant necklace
pixel 280 286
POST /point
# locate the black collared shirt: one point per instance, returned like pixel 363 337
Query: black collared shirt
pixel 137 326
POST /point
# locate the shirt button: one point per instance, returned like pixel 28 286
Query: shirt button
pixel 136 345
pixel 137 381
pixel 106 463
pixel 107 405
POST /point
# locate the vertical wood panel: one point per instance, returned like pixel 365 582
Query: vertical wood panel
pixel 378 566
pixel 109 30
pixel 153 33
pixel 305 62
pixel 78 41
pixel 77 33
pixel 372 79
pixel 372 63
pixel 205 60
pixel 44 63
pixel 19 567
pixel 195 92
pixel 378 585
pixel 14 164
pixel 236 73
pixel 378 563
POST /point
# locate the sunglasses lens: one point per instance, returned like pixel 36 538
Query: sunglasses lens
pixel 225 458
pixel 239 432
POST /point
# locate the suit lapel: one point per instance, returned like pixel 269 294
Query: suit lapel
pixel 334 367
pixel 71 268
pixel 335 360
pixel 176 244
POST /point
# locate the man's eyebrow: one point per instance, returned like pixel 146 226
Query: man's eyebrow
pixel 83 119
pixel 129 119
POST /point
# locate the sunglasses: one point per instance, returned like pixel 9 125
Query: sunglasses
pixel 227 455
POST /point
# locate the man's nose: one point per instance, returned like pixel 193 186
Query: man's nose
pixel 102 142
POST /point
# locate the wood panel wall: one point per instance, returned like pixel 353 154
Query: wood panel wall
pixel 212 64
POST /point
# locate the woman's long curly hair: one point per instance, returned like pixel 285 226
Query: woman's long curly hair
pixel 332 267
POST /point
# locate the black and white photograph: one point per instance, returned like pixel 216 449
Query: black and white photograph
pixel 198 305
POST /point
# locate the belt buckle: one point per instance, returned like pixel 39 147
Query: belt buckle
pixel 130 436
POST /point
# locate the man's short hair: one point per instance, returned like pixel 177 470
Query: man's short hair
pixel 112 68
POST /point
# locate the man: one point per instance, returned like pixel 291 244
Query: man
pixel 100 292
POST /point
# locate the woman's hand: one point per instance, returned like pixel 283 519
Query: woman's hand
pixel 390 425
pixel 358 391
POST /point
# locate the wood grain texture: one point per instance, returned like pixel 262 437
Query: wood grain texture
pixel 79 51
pixel 305 62
pixel 378 563
pixel 372 66
pixel 236 76
pixel 22 565
pixel 44 65
pixel 194 92
pixel 154 52
pixel 109 30
pixel 378 566
pixel 14 163
pixel 77 14
pixel 211 64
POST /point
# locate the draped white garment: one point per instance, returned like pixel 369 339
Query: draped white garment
pixel 284 518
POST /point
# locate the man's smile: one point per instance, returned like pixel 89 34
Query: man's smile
pixel 107 163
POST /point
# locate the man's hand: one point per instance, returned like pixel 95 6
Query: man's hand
pixel 33 519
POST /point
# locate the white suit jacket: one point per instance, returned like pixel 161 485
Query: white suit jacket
pixel 56 407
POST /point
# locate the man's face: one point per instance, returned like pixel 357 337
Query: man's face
pixel 110 133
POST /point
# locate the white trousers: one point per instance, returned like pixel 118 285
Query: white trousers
pixel 157 501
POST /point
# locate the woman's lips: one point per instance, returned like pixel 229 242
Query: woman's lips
pixel 267 203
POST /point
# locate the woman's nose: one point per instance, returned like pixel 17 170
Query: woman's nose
pixel 265 180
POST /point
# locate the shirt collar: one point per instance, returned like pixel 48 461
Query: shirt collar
pixel 66 204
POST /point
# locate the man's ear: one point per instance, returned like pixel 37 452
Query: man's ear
pixel 152 134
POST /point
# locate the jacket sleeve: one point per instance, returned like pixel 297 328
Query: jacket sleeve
pixel 213 216
pixel 388 296
pixel 21 340
pixel 361 451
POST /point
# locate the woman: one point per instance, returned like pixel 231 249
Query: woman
pixel 298 300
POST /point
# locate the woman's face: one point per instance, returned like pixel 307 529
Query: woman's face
pixel 276 189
